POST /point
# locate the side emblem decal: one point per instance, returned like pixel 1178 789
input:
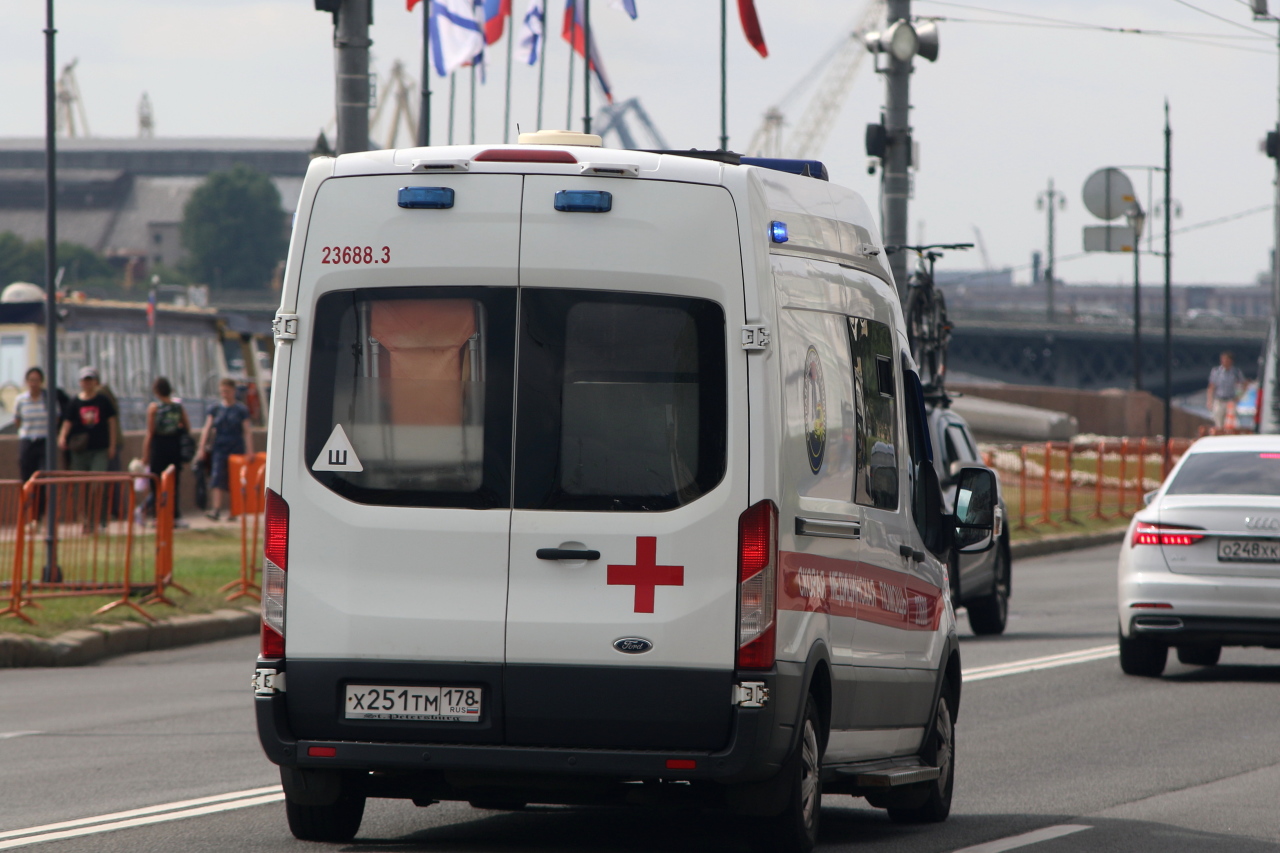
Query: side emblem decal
pixel 632 645
pixel 815 410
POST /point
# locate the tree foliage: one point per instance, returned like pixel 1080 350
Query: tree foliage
pixel 233 229
pixel 24 261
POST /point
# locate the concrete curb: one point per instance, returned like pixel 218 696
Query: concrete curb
pixel 1064 542
pixel 92 644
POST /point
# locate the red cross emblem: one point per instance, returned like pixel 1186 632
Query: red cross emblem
pixel 646 575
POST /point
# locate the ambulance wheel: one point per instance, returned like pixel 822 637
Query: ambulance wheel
pixel 795 830
pixel 939 751
pixel 336 822
pixel 989 614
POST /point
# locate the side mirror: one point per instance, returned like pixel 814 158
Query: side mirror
pixel 1149 497
pixel 977 500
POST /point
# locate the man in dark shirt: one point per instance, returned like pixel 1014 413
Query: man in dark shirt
pixel 90 428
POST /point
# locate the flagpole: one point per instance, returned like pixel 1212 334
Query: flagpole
pixel 506 112
pixel 724 79
pixel 424 109
pixel 473 102
pixel 542 65
pixel 453 85
pixel 586 66
pixel 573 37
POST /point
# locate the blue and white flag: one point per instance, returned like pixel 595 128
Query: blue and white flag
pixel 533 31
pixel 457 34
pixel 628 6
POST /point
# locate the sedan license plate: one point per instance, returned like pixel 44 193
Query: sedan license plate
pixel 1249 550
pixel 417 704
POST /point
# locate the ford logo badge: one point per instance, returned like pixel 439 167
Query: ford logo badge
pixel 632 645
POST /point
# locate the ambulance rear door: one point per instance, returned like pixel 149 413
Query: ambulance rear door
pixel 630 466
pixel 397 471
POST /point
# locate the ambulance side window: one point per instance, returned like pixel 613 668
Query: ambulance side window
pixel 417 383
pixel 876 396
pixel 622 400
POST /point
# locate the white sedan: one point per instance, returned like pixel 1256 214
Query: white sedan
pixel 1200 565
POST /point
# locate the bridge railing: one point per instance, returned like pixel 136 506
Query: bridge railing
pixel 1065 484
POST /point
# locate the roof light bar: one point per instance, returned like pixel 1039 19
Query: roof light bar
pixel 426 198
pixel 584 201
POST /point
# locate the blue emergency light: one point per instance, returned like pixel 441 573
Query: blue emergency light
pixel 778 231
pixel 426 198
pixel 584 201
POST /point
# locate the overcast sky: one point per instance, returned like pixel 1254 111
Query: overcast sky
pixel 1005 108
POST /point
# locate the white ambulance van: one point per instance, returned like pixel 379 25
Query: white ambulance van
pixel 601 476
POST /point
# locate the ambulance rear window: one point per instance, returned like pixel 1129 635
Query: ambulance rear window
pixel 409 400
pixel 621 401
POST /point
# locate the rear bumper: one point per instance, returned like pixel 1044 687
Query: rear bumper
pixel 1204 599
pixel 758 742
pixel 1181 630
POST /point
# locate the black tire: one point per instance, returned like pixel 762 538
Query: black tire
pixel 795 830
pixel 1142 656
pixel 989 615
pixel 1199 655
pixel 337 822
pixel 498 804
pixel 939 751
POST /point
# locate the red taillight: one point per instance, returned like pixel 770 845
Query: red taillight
pixel 272 643
pixel 1152 605
pixel 682 764
pixel 757 585
pixel 322 751
pixel 276 540
pixel 274 579
pixel 1165 534
pixel 524 155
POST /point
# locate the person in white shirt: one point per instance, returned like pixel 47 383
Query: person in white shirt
pixel 31 416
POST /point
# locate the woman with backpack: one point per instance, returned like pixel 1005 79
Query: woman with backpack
pixel 167 425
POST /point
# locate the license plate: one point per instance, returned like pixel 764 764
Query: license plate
pixel 1249 550
pixel 417 704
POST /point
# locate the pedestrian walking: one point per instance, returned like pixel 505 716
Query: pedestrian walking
pixel 1226 384
pixel 162 445
pixel 227 430
pixel 32 417
pixel 90 429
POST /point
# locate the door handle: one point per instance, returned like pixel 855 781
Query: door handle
pixel 908 551
pixel 566 554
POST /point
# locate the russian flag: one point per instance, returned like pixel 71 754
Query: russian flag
pixel 575 34
pixel 495 14
pixel 628 6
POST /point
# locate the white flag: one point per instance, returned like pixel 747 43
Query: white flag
pixel 532 32
pixel 457 34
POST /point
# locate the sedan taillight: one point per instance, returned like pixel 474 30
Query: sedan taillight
pixel 1165 534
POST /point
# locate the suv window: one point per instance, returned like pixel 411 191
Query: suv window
pixel 419 381
pixel 875 394
pixel 621 404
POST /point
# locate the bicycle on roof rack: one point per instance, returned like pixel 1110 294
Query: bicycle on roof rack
pixel 928 330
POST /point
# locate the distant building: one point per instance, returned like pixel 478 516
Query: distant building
pixel 975 278
pixel 124 198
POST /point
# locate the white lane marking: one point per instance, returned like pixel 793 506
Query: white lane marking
pixel 1013 842
pixel 982 673
pixel 142 821
pixel 146 810
pixel 8 735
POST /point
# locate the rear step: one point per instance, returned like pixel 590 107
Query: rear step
pixel 890 777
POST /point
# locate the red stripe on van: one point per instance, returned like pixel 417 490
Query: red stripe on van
pixel 813 584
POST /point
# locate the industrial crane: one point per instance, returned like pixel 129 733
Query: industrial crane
pixel 71 117
pixel 838 68
pixel 401 91
pixel 615 120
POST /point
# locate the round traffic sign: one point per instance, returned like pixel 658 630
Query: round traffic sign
pixel 1108 194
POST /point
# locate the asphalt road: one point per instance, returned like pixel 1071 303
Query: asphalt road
pixel 1076 757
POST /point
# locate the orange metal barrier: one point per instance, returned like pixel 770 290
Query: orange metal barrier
pixel 247 478
pixel 1063 483
pixel 101 545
